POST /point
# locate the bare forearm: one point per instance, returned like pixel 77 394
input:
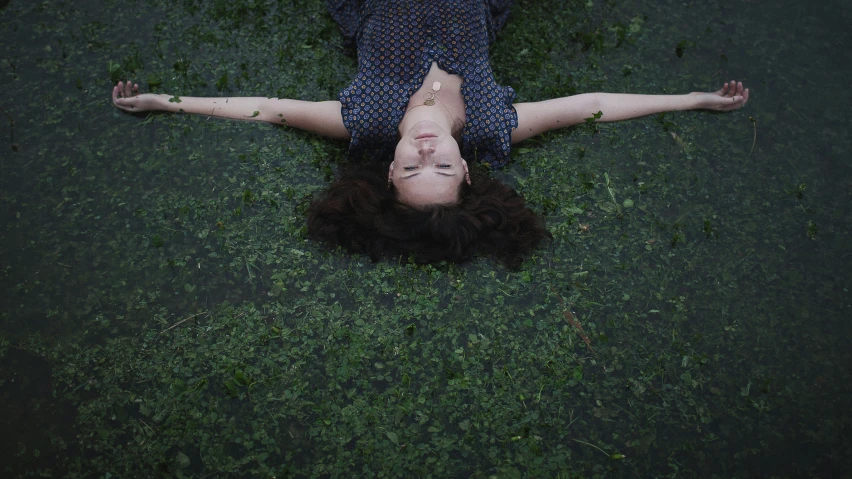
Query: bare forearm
pixel 235 108
pixel 538 117
pixel 321 117
pixel 622 106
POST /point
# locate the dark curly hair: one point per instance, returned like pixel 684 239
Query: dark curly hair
pixel 360 213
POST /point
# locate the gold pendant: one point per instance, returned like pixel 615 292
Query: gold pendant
pixel 430 96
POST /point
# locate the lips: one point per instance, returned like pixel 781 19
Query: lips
pixel 425 135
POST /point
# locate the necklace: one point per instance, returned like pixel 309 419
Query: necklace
pixel 430 96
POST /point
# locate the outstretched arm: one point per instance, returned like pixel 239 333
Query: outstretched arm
pixel 323 117
pixel 536 118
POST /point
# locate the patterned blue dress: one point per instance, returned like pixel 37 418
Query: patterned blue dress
pixel 397 41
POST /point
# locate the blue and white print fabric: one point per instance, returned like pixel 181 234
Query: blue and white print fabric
pixel 397 41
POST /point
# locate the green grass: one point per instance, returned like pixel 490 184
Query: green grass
pixel 164 315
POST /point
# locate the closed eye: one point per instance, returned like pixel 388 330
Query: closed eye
pixel 437 173
pixel 412 168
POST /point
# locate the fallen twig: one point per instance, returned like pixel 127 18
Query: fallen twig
pixel 614 456
pixel 678 140
pixel 181 322
pixel 754 142
pixel 572 320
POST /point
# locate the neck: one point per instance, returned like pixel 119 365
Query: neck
pixel 437 113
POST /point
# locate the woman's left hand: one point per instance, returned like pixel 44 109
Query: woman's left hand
pixel 732 96
pixel 126 96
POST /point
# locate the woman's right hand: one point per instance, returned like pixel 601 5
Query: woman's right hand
pixel 126 96
pixel 732 96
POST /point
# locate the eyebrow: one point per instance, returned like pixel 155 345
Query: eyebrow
pixel 437 173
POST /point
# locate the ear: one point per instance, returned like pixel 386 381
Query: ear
pixel 466 173
pixel 390 174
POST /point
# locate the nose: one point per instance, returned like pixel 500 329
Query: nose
pixel 426 149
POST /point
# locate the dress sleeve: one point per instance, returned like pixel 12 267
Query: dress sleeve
pixel 490 120
pixel 499 10
pixel 346 14
pixel 371 110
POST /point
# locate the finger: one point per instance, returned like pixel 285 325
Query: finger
pixel 122 103
pixel 730 104
pixel 136 88
pixel 745 96
pixel 732 87
pixel 128 89
pixel 740 88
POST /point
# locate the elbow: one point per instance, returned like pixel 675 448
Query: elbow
pixel 595 105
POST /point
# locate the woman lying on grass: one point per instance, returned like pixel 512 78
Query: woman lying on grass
pixel 424 101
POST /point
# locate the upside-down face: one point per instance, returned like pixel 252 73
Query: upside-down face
pixel 428 168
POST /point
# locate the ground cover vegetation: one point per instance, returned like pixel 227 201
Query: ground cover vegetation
pixel 164 315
